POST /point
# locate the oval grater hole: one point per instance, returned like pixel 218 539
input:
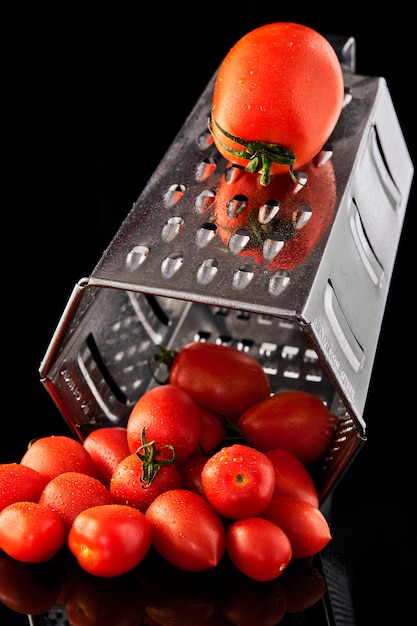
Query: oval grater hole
pixel 303 214
pixel 205 234
pixel 205 168
pixel 239 240
pixel 278 283
pixel 207 271
pixel 323 156
pixel 236 205
pixel 171 228
pixel 272 246
pixel 136 257
pixel 171 264
pixel 204 200
pixel 174 194
pixel 302 181
pixel 242 277
pixel 205 140
pixel 268 211
pixel 232 173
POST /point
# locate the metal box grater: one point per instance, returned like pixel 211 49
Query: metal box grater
pixel 168 278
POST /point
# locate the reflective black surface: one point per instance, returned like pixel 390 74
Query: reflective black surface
pixel 91 107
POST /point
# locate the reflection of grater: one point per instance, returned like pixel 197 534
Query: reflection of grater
pixel 168 278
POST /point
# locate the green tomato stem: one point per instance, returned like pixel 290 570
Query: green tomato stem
pixel 260 155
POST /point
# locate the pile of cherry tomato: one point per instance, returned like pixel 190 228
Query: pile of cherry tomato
pixel 211 467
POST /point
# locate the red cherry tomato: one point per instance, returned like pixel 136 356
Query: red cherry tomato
pixel 186 530
pixel 258 548
pixel 277 98
pixel 221 378
pixel 303 523
pixel 71 492
pixel 169 416
pixel 55 454
pixel 130 483
pixel 284 222
pixel 295 420
pixel 30 532
pixel 110 540
pixel 107 447
pixel 292 477
pixel 190 472
pixel 213 432
pixel 238 481
pixel 19 482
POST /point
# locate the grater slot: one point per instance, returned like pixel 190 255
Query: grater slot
pixel 366 252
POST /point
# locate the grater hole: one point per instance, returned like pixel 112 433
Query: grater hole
pixel 171 228
pixel 207 271
pixel 205 168
pixel 136 257
pixel 242 277
pixel 205 140
pixel 174 194
pixel 239 240
pixel 205 234
pixel 204 200
pixel 236 205
pixel 303 215
pixel 232 173
pixel 279 282
pixel 171 264
pixel 302 181
pixel 268 211
pixel 272 246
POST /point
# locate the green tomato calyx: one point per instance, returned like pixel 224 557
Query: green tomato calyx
pixel 260 155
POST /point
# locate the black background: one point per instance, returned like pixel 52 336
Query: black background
pixel 91 103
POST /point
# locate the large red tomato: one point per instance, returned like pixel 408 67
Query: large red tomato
pixel 186 530
pixel 277 98
pixel 221 378
pixel 282 222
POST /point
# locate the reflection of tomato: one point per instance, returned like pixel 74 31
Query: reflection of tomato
pixel 247 602
pixel 93 601
pixel 28 588
pixel 304 585
pixel 300 222
pixel 178 597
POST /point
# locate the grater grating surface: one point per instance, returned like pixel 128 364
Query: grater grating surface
pixel 168 277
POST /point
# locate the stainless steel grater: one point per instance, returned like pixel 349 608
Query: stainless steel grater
pixel 167 277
